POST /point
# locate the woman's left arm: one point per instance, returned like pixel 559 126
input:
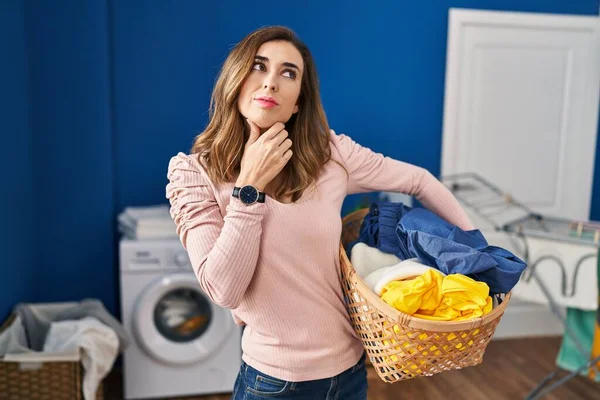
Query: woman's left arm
pixel 370 171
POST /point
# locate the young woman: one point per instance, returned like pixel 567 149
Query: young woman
pixel 257 205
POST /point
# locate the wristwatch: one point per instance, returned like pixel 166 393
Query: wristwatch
pixel 248 194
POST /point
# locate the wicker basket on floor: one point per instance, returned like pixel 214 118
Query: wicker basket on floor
pixel 60 380
pixel 400 346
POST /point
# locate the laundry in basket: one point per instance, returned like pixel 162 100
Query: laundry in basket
pixel 62 332
pixel 401 346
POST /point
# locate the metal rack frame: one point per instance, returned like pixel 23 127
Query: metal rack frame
pixel 508 215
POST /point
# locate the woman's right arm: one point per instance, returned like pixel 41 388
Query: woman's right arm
pixel 223 250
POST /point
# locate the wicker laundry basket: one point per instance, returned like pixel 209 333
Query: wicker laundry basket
pixel 400 346
pixel 54 380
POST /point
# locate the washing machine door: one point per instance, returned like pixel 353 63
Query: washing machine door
pixel 176 323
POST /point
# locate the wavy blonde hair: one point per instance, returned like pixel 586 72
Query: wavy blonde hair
pixel 220 146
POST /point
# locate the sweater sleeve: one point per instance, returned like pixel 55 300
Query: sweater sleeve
pixel 223 250
pixel 369 171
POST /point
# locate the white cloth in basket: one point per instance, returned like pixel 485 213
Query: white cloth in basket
pixel 377 268
pixel 99 346
pixel 405 269
pixel 366 259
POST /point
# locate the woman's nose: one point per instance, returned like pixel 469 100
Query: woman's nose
pixel 270 84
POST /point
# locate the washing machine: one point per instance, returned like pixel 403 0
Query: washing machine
pixel 181 343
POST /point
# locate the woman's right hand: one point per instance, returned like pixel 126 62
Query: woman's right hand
pixel 264 155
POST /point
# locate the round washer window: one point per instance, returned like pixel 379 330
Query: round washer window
pixel 182 315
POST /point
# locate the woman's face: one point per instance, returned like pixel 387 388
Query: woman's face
pixel 270 93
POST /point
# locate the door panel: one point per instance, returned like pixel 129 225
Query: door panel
pixel 521 105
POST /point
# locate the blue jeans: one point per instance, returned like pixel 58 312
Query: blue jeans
pixel 348 385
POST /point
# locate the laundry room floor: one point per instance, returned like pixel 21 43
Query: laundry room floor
pixel 510 370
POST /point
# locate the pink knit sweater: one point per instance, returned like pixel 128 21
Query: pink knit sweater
pixel 276 265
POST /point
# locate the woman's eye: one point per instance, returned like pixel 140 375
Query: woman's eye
pixel 259 66
pixel 290 74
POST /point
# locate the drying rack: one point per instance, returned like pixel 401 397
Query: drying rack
pixel 506 214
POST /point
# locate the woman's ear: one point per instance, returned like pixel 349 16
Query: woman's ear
pixel 296 108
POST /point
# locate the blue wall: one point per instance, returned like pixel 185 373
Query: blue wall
pixel 164 62
pixel 60 205
pixel 396 52
pixel 117 88
pixel 73 174
pixel 17 282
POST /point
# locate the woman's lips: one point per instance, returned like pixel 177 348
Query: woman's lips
pixel 265 102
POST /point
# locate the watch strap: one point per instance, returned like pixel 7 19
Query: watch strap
pixel 261 197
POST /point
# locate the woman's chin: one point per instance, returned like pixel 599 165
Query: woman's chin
pixel 265 120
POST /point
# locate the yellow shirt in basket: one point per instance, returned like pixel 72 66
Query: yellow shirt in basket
pixel 434 296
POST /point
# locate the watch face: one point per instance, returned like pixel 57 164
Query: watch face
pixel 248 194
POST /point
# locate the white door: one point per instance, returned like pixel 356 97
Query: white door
pixel 521 110
pixel 521 105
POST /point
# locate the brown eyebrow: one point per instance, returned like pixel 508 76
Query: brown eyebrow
pixel 285 64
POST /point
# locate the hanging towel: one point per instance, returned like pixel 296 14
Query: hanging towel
pixel 585 325
pixel 566 268
pixel 581 323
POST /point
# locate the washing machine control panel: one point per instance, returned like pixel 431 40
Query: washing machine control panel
pixel 154 256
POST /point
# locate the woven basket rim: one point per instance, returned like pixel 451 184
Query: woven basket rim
pixel 406 319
